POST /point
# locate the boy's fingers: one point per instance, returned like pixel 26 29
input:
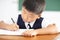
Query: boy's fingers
pixel 16 26
pixel 13 27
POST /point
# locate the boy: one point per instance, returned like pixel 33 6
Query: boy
pixel 31 19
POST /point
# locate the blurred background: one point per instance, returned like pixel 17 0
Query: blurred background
pixel 10 8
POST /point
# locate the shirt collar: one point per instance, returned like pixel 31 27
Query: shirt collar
pixel 31 23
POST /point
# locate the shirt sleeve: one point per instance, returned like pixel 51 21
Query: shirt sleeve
pixel 47 21
pixel 58 25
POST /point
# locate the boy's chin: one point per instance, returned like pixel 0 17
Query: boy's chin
pixel 28 21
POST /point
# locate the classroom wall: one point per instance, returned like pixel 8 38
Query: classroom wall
pixel 11 8
pixel 51 5
pixel 8 8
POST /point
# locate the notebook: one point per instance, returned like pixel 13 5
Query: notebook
pixel 17 32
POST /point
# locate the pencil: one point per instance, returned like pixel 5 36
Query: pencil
pixel 12 20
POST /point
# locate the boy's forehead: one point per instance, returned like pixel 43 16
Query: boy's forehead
pixel 29 12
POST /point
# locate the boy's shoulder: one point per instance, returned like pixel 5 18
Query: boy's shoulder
pixel 41 18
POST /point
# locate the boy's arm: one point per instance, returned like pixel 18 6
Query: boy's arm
pixel 51 29
pixel 8 26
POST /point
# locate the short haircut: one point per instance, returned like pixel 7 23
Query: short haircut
pixel 36 6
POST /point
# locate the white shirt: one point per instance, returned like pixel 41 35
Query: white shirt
pixel 31 24
pixel 46 21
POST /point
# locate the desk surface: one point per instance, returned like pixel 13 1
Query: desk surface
pixel 39 37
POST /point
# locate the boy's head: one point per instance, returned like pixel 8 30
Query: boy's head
pixel 32 9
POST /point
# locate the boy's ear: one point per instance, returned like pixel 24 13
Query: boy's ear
pixel 39 16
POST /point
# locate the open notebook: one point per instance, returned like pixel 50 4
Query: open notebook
pixel 17 32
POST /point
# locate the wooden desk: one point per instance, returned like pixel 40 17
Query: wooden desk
pixel 39 37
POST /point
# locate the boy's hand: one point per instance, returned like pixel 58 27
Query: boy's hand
pixel 12 27
pixel 30 33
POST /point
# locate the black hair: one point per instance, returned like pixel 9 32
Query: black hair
pixel 36 6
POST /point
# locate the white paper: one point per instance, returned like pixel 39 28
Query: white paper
pixel 17 32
